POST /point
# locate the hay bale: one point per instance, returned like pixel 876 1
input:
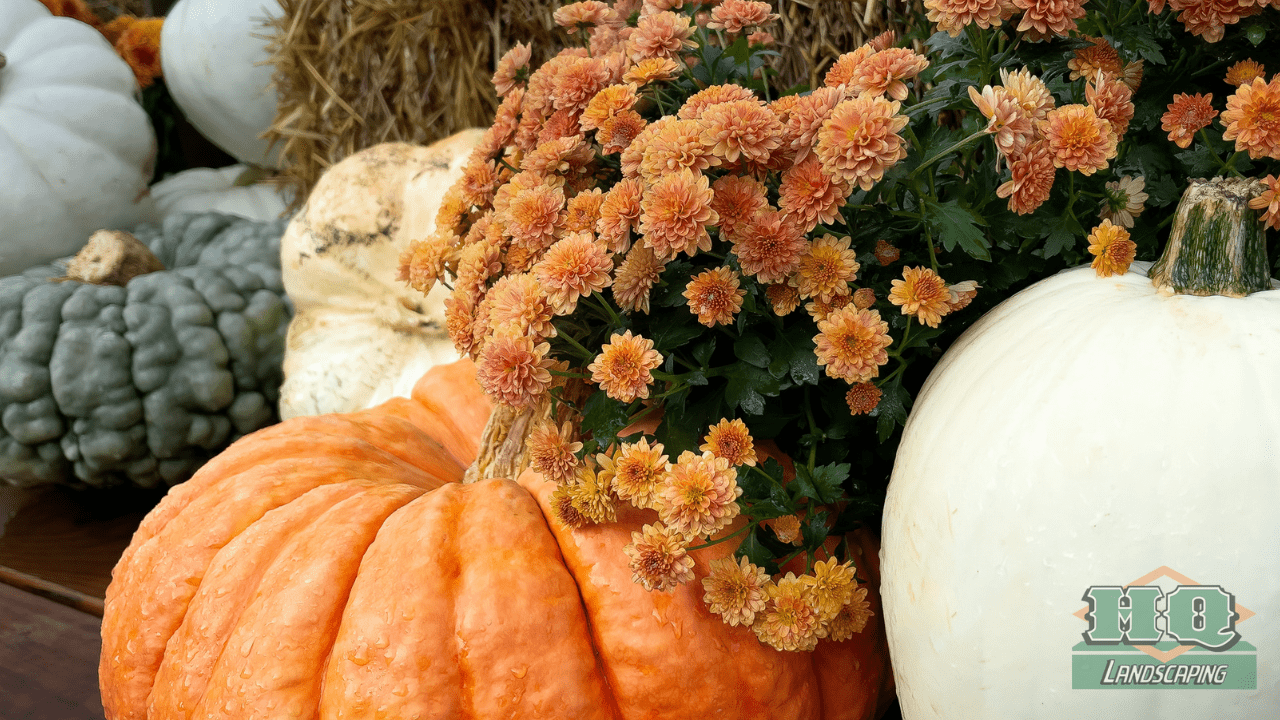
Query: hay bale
pixel 354 74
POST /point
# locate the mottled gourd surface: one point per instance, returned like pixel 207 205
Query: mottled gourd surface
pixel 107 385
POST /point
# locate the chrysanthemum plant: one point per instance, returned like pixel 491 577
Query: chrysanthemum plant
pixel 696 295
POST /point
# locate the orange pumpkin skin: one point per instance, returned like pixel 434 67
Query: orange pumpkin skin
pixel 332 567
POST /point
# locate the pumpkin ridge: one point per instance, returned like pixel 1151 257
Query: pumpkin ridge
pixel 241 565
pixel 307 585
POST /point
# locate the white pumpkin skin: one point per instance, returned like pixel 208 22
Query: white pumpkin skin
pixel 217 71
pixel 360 336
pixel 1085 432
pixel 201 190
pixel 76 148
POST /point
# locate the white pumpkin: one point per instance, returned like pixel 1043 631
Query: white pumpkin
pixel 1088 432
pixel 76 148
pixel 234 190
pixel 214 56
pixel 359 336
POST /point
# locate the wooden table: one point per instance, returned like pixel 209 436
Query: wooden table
pixel 57 548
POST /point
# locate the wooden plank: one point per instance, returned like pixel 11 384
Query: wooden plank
pixel 48 660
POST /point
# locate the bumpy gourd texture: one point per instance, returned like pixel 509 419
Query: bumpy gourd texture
pixel 333 567
pixel 142 384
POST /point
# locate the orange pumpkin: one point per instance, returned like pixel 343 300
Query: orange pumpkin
pixel 335 567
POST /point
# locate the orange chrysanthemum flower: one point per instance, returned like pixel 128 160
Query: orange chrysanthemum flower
pixel 658 558
pixel 1245 72
pixel 1186 115
pixel 731 440
pixel 1079 139
pixel 745 128
pixel 922 294
pixel 476 264
pixel 459 322
pixel 789 622
pixel 478 182
pixel 820 310
pixel 619 131
pixel 884 73
pixel 1043 18
pixel 582 15
pixel 77 10
pixel 713 95
pixel 635 277
pixel 552 451
pixel 885 253
pixel 1030 92
pixel 532 214
pixel 676 145
pixel 862 398
pixel 514 369
pixel 952 16
pixel 573 267
pixel 1032 179
pixel 558 157
pixel 139 45
pixel 962 294
pixel 564 509
pixel 1252 118
pixel 1124 200
pixel 519 302
pixel 1099 56
pixel 786 528
pixel 660 35
pixel 606 103
pixel 864 298
pixel 784 298
pixel 852 619
pixel 1210 18
pixel 512 68
pixel 851 344
pixel 805 117
pixel 831 587
pixel 650 70
pixel 826 269
pixel 845 66
pixel 577 82
pixel 583 211
pixel 735 590
pixel 714 296
pixel 809 196
pixel 1009 125
pixel 1112 249
pixel 734 16
pixel 699 495
pixel 422 263
pixel 860 140
pixel 1112 100
pixel 620 214
pixel 770 246
pixel 737 200
pixel 622 369
pixel 590 494
pixel 675 213
pixel 638 469
pixel 1269 202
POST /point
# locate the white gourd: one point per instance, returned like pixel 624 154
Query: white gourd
pixel 233 190
pixel 76 148
pixel 360 336
pixel 215 61
pixel 1086 432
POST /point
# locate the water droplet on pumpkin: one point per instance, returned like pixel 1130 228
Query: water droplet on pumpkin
pixel 400 691
pixel 520 672
pixel 381 642
pixel 360 655
pixel 247 646
pixel 246 673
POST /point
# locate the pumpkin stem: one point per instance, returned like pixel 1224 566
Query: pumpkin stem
pixel 1217 245
pixel 502 444
pixel 112 257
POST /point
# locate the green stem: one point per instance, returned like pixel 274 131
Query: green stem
pixel 582 352
pixel 813 430
pixel 730 536
pixel 600 300
pixel 565 373
pixel 947 151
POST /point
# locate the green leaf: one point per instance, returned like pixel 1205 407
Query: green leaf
pixel 604 417
pixel 756 553
pixel 702 351
pixel 892 410
pixel 824 485
pixel 1256 33
pixel 795 348
pixel 956 224
pixel 676 333
pixel 814 530
pixel 1199 160
pixel 945 45
pixel 748 387
pixel 1063 236
pixel 751 349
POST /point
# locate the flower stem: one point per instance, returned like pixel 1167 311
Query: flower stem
pixel 947 151
pixel 730 536
pixel 582 352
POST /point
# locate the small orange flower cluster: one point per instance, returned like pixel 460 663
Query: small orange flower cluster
pixel 1036 138
pixel 136 40
pixel 696 497
pixel 1209 18
pixel 1252 117
pixel 1041 19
